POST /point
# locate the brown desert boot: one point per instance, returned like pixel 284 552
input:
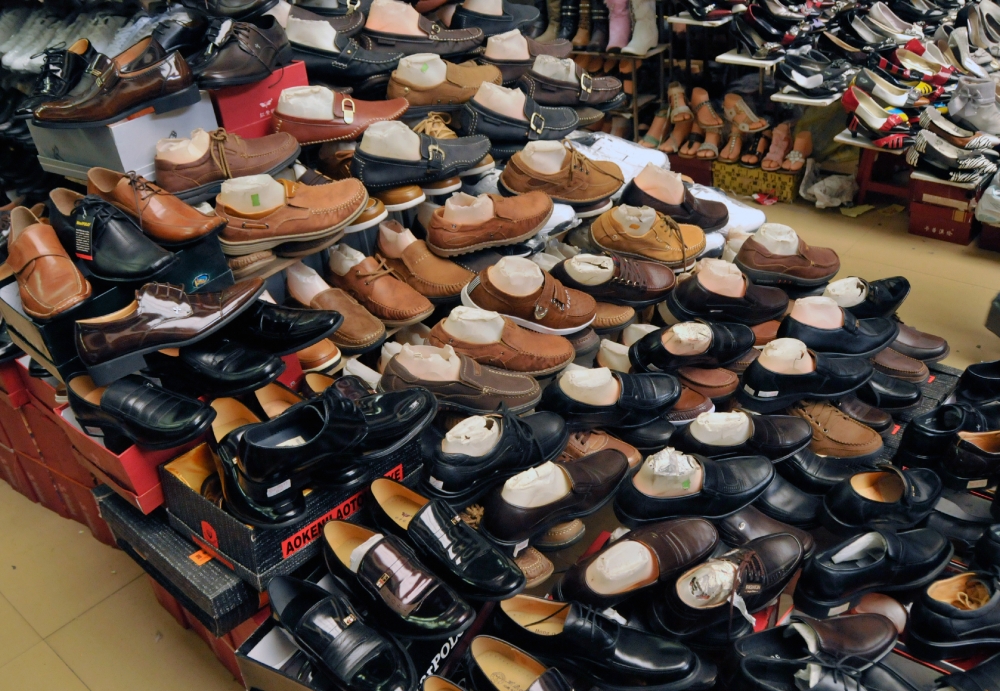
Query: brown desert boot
pixel 461 82
pixel 808 267
pixel 836 435
pixel 228 156
pixel 438 280
pixel 160 215
pixel 675 245
pixel 373 284
pixel 514 220
pixel 586 442
pixel 309 213
pixel 518 350
pixel 360 331
pixel 580 181
pixel 348 121
pixel 47 279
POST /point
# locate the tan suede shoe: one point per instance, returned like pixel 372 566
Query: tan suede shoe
pixel 360 330
pixel 514 220
pixel 437 279
pixel 580 181
pixel 675 245
pixel 372 284
pixel 518 350
pixel 836 435
pixel 461 82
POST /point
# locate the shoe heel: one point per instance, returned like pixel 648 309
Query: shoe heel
pixel 818 609
pixel 285 56
pixel 181 99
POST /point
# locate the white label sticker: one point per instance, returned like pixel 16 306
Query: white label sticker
pixel 748 389
pixel 840 609
pixel 94 431
pixel 294 441
pixel 271 491
pixel 520 547
pixel 976 484
pixel 435 483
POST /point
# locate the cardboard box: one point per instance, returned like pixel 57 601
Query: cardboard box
pixel 17 430
pixel 44 485
pixel 733 177
pixel 698 169
pixel 14 474
pixel 258 554
pixel 41 389
pixel 989 237
pixel 54 445
pixel 943 223
pixel 127 145
pixel 83 507
pixel 246 110
pixel 200 267
pixel 11 380
pixel 925 189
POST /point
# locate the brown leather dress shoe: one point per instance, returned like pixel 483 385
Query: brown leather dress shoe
pixel 552 309
pixel 690 405
pixel 316 215
pixel 439 280
pixel 581 182
pixel 360 331
pixel 373 284
pixel 141 77
pixel 350 118
pixel 635 282
pixel 835 435
pixel 855 408
pixel 162 316
pixel 322 356
pixel 461 82
pixel 513 69
pixel 434 38
pixel 809 267
pixel 47 279
pixel 160 215
pixel 228 156
pixel 918 345
pixel 584 443
pixel 518 350
pixel 514 220
pixel 249 52
pixel 895 364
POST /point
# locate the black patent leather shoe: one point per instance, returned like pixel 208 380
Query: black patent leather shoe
pixel 540 122
pixel 979 383
pixel 751 42
pixel 474 567
pixel 890 394
pixel 883 298
pixel 393 419
pixel 489 661
pixel 690 301
pixel 327 628
pixel 140 411
pixel 61 72
pixel 856 338
pixel 816 474
pixel 8 349
pixel 216 367
pixel 750 523
pixel 729 342
pixel 643 399
pixel 352 65
pixel 889 498
pixel 648 438
pixel 972 461
pixel 774 436
pixel 928 437
pixel 108 242
pixel 524 443
pixel 404 595
pixel 764 391
pixel 512 17
pixel 282 330
pixel 439 159
pixel 182 31
pixel 785 502
pixel 585 642
pixel 884 561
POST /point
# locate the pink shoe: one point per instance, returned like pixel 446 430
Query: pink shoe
pixel 619 24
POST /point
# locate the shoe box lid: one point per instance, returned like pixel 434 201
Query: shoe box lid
pixel 212 593
pixel 246 110
pixel 126 145
pixel 927 189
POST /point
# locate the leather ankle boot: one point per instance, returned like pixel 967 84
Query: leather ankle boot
pixel 974 105
pixel 569 17
pixel 619 24
pixel 536 28
pixel 582 37
pixel 552 29
pixel 598 26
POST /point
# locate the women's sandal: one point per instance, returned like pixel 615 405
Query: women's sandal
pixel 739 114
pixel 734 147
pixel 754 148
pixel 709 150
pixel 704 112
pixel 781 144
pixel 678 135
pixel 679 110
pixel 657 130
pixel 693 143
pixel 796 158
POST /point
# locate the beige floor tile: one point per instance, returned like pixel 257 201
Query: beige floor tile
pixel 16 635
pixel 39 669
pixel 25 523
pixel 63 573
pixel 129 642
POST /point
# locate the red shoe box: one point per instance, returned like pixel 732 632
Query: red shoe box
pixel 926 191
pixel 989 238
pixel 246 110
pixel 14 474
pixel 82 505
pixel 943 223
pixel 16 427
pixel 40 389
pixel 52 442
pixel 10 377
pixel 292 376
pixel 44 485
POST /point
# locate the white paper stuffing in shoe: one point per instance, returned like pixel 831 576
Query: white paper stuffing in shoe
pixel 612 613
pixel 866 548
pixel 560 249
pixel 414 334
pixel 536 486
pixel 635 220
pixel 359 552
pixel 628 156
pixel 847 292
pixel 625 562
pixel 591 269
pixel 389 350
pixel 733 244
pixel 669 470
pixel 359 369
pixel 316 34
pixel 809 676
pixel 717 267
pixel 476 433
pixel 778 239
pixel 708 585
pixel 721 429
pixel 563 70
pixel 614 356
pixel 692 335
pixel 618 533
pixel 307 102
pixel 545 261
pixel 635 332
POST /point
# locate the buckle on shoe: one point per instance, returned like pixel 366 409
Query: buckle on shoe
pixel 353 5
pixel 349 109
pixel 540 312
pixel 435 28
pixel 584 79
pixel 540 127
pixel 434 150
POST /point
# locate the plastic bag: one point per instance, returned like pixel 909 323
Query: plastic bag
pixel 988 208
pixel 828 192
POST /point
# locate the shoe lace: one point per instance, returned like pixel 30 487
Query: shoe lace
pixel 845 669
pixel 217 146
pixel 436 125
pixel 52 69
pixel 749 569
pixel 522 430
pixel 627 273
pixel 97 209
pixel 141 191
pixel 673 232
pixel 377 273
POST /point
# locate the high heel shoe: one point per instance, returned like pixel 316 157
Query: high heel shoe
pixel 752 43
pixel 755 18
pixel 887 93
pixel 894 141
pixel 780 14
pixel 835 45
pixel 705 12
pixel 871 114
pixel 959 43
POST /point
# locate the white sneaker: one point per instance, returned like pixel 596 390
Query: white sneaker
pixel 27 39
pixel 12 22
pixel 35 26
pixel 48 38
pixel 25 25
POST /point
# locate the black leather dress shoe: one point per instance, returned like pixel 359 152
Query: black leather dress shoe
pixel 890 394
pixel 929 437
pixel 764 391
pixel 785 502
pixel 750 523
pixel 972 461
pixel 883 298
pixel 727 486
pixel 690 300
pixel 463 557
pixel 352 65
pixel 231 9
pixel 8 349
pixel 815 474
pixel 393 419
pixel 956 617
pixel 439 159
pixel 540 122
pixel 987 552
pixel 216 367
pixel 489 661
pixel 524 442
pixel 879 561
pixel 856 338
pixel 648 438
pixel 137 409
pixel 979 383
pixel 707 215
pixel 585 642
pixel 512 17
pixel 643 399
pixel 183 32
pixel 729 343
pixel 108 242
pixel 327 628
pixel 61 72
pixel 985 675
pixel 890 499
pixel 773 674
pixel 282 330
pixel 774 436
pixel 404 595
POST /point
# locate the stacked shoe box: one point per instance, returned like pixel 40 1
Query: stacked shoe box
pixel 943 210
pixel 733 177
pixel 12 397
pixel 246 110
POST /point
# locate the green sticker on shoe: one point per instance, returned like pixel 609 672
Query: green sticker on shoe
pixel 424 67
pixel 255 199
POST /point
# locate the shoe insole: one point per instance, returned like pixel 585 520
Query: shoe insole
pixel 401 509
pixel 343 538
pixel 878 486
pixel 498 666
pixel 343 549
pixel 230 415
pixel 275 400
pixel 529 620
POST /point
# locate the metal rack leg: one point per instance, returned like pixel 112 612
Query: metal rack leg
pixel 635 100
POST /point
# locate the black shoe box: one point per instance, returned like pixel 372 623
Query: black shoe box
pixel 259 554
pixel 211 592
pixel 200 268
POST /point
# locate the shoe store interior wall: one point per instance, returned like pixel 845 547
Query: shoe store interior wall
pixel 499 345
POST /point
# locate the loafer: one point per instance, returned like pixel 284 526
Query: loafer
pixel 882 299
pixel 490 661
pixel 979 384
pixel 815 474
pixel 858 410
pixel 918 345
pixel 890 394
pixel 673 546
pixel 349 119
pixel 972 461
pixel 463 557
pixel 643 398
pixel 135 408
pixel 283 330
pixel 809 267
pixel 657 433
pixel 930 436
pixel 761 673
pixel 690 301
pixel 216 367
pixel 345 24
pixel 888 499
pixel 434 38
pixel 602 93
pixel 956 617
pixel 512 17
pixel 351 65
pixel 750 523
pixel 586 442
pixel 584 641
pixel 718 384
pixel 326 627
pixel 707 215
pixel 879 561
pixel 727 486
pixel 783 501
pixel 539 122
pixel 593 482
pixel 511 70
pixel 775 437
pixel 439 159
pixel 838 436
pixel 728 343
pixel 525 442
pixel 898 366
pixel 764 391
pixel 634 282
pixel 856 338
pixel 517 350
pixel 385 581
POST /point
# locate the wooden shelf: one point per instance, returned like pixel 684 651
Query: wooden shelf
pixel 800 100
pixel 655 51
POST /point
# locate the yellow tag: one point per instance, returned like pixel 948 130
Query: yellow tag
pixel 200 557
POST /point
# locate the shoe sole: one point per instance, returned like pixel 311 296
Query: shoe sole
pixel 508 192
pixel 202 193
pixel 467 301
pixel 469 411
pixel 357 228
pixel 331 366
pixel 478 170
pixel 760 404
pixel 439 191
pixel 774 278
pixel 407 205
pixel 634 522
pixel 936 650
pixel 442 252
pixel 164 104
pixel 398 324
pixel 676 267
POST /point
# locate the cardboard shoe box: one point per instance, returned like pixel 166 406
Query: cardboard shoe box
pixel 943 223
pixel 246 110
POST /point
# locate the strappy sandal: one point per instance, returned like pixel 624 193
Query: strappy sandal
pixel 693 142
pixel 739 114
pixel 704 111
pixel 676 96
pixel 678 135
pixel 657 129
pixel 802 150
pixel 710 145
pixel 734 146
pixel 781 144
pixel 754 148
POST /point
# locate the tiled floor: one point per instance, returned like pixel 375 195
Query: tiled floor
pixel 77 615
